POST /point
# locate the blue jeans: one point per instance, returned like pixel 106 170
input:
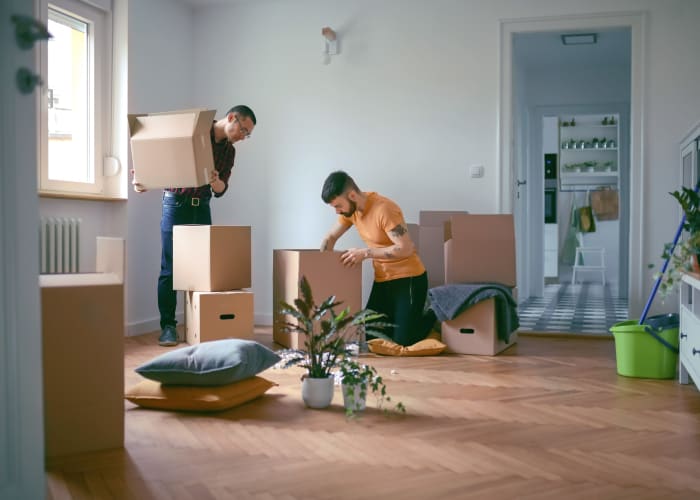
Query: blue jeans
pixel 177 209
pixel 403 302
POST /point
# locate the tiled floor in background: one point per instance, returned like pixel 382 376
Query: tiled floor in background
pixel 588 308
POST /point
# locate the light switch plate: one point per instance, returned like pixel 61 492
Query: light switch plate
pixel 476 171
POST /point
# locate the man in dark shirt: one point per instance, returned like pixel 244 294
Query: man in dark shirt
pixel 191 206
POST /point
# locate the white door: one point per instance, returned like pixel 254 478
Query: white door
pixel 21 409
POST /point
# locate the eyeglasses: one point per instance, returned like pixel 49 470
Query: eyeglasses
pixel 245 131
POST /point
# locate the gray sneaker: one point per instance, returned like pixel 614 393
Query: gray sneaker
pixel 168 337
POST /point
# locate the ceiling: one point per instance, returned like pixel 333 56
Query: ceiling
pixel 613 47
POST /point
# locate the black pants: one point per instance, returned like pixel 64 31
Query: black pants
pixel 403 301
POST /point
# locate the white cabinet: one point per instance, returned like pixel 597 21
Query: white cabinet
pixel 551 250
pixel 689 330
pixel 589 154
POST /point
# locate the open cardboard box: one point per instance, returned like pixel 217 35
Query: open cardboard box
pixel 326 275
pixel 478 249
pixel 172 149
pixel 431 243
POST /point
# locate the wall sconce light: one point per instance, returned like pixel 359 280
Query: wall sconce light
pixel 330 45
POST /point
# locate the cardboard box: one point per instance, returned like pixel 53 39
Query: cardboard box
pixel 211 258
pixel 431 243
pixel 474 331
pixel 83 358
pixel 326 275
pixel 218 315
pixel 172 149
pixel 414 233
pixel 480 249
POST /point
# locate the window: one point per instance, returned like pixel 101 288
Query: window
pixel 75 108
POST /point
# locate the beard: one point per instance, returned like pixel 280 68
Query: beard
pixel 353 207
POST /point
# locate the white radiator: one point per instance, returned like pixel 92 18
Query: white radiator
pixel 59 239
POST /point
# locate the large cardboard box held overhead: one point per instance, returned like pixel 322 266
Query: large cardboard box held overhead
pixel 211 258
pixel 474 331
pixel 172 149
pixel 431 243
pixel 218 315
pixel 326 275
pixel 480 248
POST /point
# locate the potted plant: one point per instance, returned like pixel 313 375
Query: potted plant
pixel 325 336
pixel 684 256
pixel 356 381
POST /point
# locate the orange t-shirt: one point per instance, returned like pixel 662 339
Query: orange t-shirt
pixel 373 224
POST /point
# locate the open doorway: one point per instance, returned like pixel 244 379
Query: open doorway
pixel 547 80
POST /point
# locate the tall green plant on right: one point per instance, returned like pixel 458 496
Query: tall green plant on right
pixel 684 257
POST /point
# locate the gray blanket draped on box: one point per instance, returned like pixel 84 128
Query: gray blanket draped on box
pixel 448 301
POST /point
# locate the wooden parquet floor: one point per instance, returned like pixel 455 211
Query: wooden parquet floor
pixel 547 419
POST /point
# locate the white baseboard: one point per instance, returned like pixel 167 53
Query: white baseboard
pixel 149 325
pixel 263 319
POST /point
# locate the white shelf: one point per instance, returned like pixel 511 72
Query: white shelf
pixel 689 330
pixel 587 128
pixel 586 150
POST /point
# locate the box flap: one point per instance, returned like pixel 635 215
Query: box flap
pixel 437 217
pixel 482 227
pixel 481 249
pixel 78 279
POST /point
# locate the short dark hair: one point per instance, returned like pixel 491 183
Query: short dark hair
pixel 336 184
pixel 244 111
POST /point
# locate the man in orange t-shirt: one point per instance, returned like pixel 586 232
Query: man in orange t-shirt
pixel 400 283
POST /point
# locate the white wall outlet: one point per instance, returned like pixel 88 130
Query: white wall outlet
pixel 476 171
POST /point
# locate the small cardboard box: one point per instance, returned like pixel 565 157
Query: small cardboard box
pixel 326 275
pixel 172 149
pixel 480 249
pixel 211 258
pixel 431 243
pixel 474 331
pixel 218 315
pixel 83 359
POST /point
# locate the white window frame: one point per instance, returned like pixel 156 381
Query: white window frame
pixel 99 19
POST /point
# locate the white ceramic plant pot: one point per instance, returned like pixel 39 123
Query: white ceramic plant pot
pixel 356 402
pixel 317 392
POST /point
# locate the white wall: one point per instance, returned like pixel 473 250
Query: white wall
pixel 160 79
pixel 409 104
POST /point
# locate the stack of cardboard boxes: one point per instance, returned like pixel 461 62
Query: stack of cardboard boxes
pixel 213 265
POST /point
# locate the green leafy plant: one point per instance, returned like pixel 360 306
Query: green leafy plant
pixel 680 257
pixel 358 379
pixel 325 333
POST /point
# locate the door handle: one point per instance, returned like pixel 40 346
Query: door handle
pixel 28 30
pixel 520 183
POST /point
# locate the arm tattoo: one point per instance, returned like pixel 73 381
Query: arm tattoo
pixel 389 254
pixel 399 230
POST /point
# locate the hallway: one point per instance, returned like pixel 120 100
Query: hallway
pixel 588 308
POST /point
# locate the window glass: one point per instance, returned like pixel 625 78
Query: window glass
pixel 69 151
